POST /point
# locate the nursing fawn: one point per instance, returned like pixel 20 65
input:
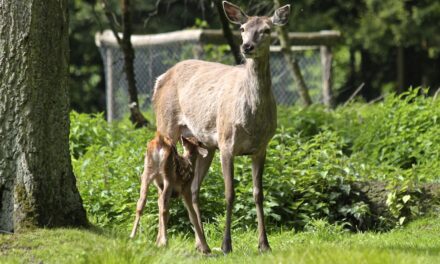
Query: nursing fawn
pixel 172 175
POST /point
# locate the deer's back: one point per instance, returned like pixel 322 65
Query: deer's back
pixel 187 97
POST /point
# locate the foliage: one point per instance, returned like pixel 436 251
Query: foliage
pixel 404 137
pixel 315 163
pixel 86 73
pixel 107 159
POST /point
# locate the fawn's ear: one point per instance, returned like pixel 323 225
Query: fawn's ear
pixel 202 151
pixel 234 14
pixel 281 16
pixel 193 142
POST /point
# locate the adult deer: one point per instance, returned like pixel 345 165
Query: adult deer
pixel 231 108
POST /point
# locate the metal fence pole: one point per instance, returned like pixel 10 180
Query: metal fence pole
pixel 110 99
pixel 326 61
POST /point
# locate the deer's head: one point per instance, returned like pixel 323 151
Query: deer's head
pixel 255 30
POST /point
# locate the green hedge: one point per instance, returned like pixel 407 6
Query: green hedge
pixel 314 164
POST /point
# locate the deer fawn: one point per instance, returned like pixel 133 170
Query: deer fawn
pixel 231 108
pixel 172 174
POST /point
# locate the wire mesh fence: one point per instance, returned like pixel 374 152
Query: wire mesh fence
pixel 153 59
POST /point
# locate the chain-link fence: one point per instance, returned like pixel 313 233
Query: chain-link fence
pixel 152 58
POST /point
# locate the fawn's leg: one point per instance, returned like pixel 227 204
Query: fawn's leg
pixel 145 182
pixel 163 202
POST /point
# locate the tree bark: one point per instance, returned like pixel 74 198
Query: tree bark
pixel 227 33
pixel 37 185
pixel 292 63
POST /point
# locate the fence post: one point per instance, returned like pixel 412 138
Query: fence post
pixel 326 61
pixel 110 101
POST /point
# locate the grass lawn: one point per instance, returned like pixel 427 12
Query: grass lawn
pixel 418 242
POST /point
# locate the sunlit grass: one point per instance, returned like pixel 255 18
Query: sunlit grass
pixel 418 242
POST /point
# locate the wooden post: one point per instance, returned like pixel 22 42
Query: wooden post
pixel 110 100
pixel 326 61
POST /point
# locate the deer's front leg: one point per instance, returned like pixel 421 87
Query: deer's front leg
pixel 258 161
pixel 227 160
pixel 163 203
pixel 201 244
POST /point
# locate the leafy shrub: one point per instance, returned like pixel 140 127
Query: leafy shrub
pixel 401 132
pixel 87 130
pixel 300 183
pixel 314 164
pixel 107 160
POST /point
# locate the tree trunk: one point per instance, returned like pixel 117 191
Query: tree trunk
pixel 136 116
pixel 292 63
pixel 346 92
pixel 400 69
pixel 227 33
pixel 37 185
pixel 368 72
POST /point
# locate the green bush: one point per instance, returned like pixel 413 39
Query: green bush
pixel 107 160
pixel 314 164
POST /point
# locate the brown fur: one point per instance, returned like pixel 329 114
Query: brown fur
pixel 231 108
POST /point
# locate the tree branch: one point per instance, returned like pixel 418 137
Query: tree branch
pixel 113 21
pixel 227 33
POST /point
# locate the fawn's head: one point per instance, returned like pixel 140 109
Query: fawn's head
pixel 192 146
pixel 255 30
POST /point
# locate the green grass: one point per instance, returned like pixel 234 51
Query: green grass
pixel 418 242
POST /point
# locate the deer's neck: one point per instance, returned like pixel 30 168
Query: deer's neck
pixel 257 81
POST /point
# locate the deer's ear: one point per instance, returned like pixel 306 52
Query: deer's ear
pixel 281 16
pixel 234 14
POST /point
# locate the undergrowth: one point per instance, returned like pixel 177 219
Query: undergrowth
pixel 315 163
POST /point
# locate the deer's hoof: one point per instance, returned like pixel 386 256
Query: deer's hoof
pixel 264 248
pixel 227 246
pixel 205 250
pixel 160 242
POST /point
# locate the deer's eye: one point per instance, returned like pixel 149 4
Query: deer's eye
pixel 242 30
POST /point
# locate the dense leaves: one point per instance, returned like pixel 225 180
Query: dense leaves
pixel 314 166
